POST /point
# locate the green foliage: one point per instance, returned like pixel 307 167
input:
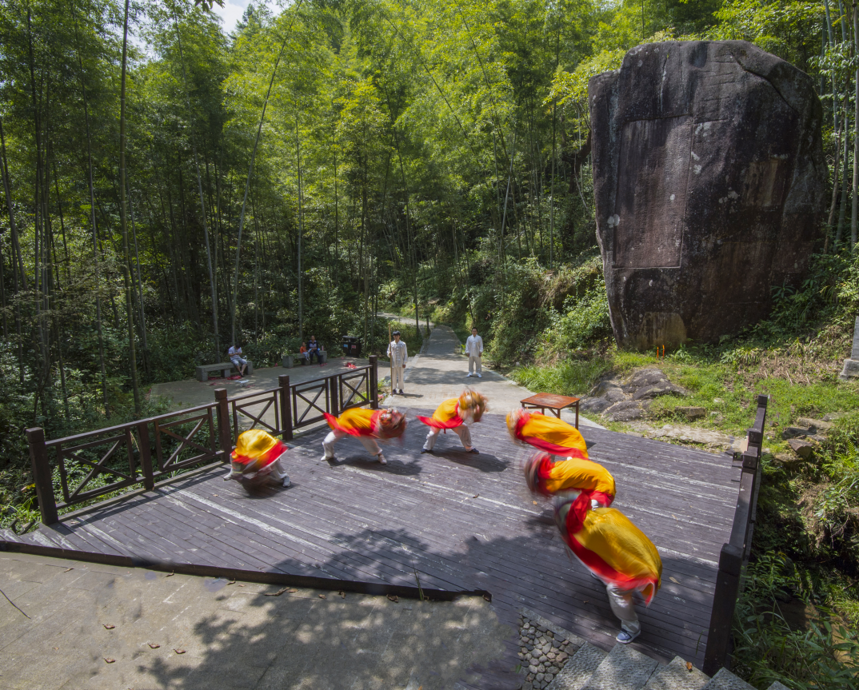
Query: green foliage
pixel 568 377
pixel 820 653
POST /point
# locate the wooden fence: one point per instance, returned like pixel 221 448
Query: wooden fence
pixel 138 454
pixel 735 553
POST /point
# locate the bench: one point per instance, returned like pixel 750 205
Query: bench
pixel 289 361
pixel 201 372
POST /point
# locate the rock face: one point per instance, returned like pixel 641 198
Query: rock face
pixel 624 402
pixel 709 180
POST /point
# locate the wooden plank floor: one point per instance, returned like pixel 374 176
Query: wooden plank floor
pixel 461 521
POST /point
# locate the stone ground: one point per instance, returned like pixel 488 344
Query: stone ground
pixel 94 626
pixel 440 371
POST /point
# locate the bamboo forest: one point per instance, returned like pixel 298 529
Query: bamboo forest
pixel 172 187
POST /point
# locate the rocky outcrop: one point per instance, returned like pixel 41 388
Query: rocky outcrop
pixel 625 402
pixel 709 180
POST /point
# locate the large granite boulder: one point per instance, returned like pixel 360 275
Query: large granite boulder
pixel 709 180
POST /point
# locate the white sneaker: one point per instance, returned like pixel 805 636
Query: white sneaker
pixel 326 458
pixel 468 376
pixel 480 376
pixel 381 459
pixel 286 482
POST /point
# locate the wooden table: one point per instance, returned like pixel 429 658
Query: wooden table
pixel 550 401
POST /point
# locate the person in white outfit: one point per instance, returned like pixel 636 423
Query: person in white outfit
pixel 399 354
pixel 474 350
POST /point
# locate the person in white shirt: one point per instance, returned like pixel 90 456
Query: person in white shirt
pixel 239 362
pixel 399 354
pixel 474 350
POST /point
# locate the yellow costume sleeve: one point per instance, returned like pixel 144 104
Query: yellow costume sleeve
pixel 552 435
pixel 616 550
pixel 575 473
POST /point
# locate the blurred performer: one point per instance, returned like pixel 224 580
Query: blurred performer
pixel 399 354
pixel 616 552
pixel 547 477
pixel 550 434
pixel 456 414
pixel 256 460
pixel 367 426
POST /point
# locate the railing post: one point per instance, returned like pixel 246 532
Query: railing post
pixel 42 475
pixel 724 600
pixel 374 382
pixel 334 395
pixel 145 456
pixel 225 436
pixel 285 408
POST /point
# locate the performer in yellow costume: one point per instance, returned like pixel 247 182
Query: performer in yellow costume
pixel 546 433
pixel 548 477
pixel 456 414
pixel 256 459
pixel 367 426
pixel 616 552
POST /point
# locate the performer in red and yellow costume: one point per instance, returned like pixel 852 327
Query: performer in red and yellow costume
pixel 547 477
pixel 367 426
pixel 256 459
pixel 456 414
pixel 550 434
pixel 615 551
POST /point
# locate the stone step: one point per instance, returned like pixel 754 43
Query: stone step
pixel 578 669
pixel 778 686
pixel 623 669
pixel 677 676
pixel 725 680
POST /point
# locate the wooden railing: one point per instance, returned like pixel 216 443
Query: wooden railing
pixel 138 454
pixel 735 553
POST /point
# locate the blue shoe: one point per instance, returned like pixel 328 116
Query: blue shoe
pixel 625 637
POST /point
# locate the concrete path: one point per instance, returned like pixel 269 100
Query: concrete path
pixel 94 627
pixel 440 372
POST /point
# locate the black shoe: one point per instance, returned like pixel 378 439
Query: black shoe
pixel 425 450
pixel 475 451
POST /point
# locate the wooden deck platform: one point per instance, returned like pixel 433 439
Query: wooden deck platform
pixel 461 521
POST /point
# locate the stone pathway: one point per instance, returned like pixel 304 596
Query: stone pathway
pixel 96 626
pixel 440 372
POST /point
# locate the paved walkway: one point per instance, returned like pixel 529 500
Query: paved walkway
pixel 190 392
pixel 94 626
pixel 440 372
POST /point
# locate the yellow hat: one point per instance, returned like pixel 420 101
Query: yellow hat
pixel 253 444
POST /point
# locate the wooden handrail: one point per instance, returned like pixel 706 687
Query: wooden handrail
pixel 215 420
pixel 734 556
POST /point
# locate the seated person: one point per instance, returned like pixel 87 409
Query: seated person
pixel 235 355
pixel 313 350
pixel 303 352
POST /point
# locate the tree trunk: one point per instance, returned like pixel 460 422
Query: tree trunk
pixel 126 272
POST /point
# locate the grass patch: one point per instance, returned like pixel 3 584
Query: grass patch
pixel 569 377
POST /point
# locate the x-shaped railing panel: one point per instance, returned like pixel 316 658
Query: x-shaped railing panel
pixel 256 420
pixel 321 389
pixel 172 463
pixel 346 383
pixel 74 454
